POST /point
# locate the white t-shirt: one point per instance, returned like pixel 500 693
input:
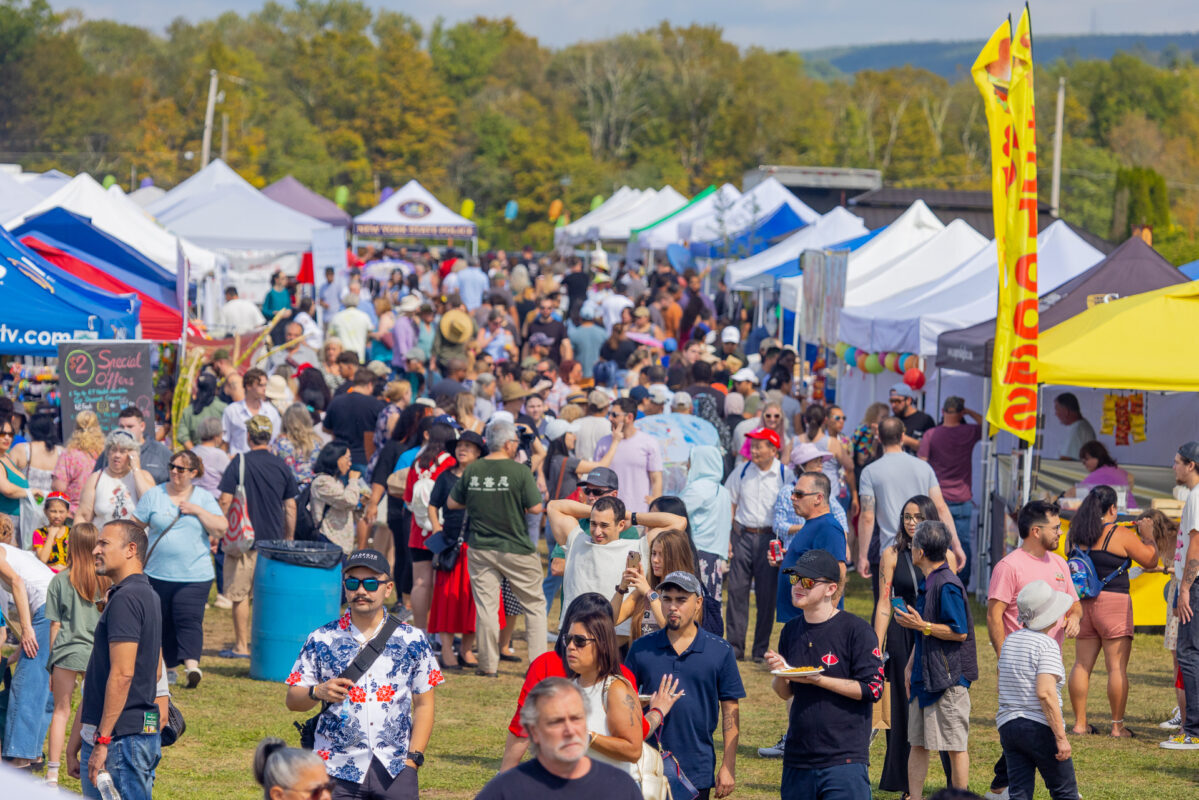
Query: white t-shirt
pixel 235 417
pixel 29 568
pixel 1025 655
pixel 240 315
pixel 592 567
pixel 352 326
pixel 1189 523
pixel 1078 433
pixel 891 481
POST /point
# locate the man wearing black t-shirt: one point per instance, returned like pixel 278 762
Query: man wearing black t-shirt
pixel 576 282
pixel 119 724
pixel 828 733
pixel 555 715
pixel 915 421
pixel 271 506
pixel 545 323
pixel 352 416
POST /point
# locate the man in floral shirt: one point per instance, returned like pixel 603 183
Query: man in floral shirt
pixel 375 730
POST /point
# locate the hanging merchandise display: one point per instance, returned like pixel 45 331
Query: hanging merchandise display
pixel 1124 418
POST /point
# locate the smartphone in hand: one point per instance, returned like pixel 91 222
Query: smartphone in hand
pixel 899 605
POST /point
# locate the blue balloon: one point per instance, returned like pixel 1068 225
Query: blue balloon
pixel 851 356
pixel 146 182
pixel 387 192
pixel 670 345
pixel 511 210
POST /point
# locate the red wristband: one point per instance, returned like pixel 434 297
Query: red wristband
pixel 103 739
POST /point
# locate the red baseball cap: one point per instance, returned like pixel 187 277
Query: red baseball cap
pixel 768 435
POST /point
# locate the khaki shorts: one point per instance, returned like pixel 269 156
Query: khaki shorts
pixel 1108 616
pixel 239 575
pixel 942 726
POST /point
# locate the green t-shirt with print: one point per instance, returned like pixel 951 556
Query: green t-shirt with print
pixel 496 493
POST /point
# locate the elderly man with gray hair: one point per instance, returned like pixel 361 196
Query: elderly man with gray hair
pixel 555 715
pixel 497 492
pixel 943 663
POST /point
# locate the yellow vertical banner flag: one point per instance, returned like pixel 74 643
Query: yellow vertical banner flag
pixel 1004 75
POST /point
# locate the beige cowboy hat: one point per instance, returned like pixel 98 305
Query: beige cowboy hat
pixel 455 326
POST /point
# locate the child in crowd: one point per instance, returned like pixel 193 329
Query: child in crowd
pixel 51 542
pixel 74 601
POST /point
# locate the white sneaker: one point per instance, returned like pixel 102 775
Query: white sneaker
pixel 1174 722
pixel 223 602
pixel 1000 795
pixel 1181 742
pixel 774 751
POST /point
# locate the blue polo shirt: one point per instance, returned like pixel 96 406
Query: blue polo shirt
pixel 818 533
pixel 953 614
pixel 707 674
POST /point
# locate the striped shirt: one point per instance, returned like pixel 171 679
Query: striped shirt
pixel 1025 655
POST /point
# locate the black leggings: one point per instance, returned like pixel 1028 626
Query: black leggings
pixel 399 520
pixel 183 606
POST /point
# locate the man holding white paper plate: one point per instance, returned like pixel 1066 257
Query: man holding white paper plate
pixel 828 734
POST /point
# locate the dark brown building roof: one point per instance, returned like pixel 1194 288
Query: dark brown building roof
pixel 880 207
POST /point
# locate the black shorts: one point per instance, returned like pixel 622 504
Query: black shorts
pixel 420 554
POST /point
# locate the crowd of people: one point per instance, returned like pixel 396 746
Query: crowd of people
pixel 466 433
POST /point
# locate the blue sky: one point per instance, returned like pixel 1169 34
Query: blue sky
pixel 774 24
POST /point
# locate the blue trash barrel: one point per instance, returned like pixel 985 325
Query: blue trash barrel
pixel 297 589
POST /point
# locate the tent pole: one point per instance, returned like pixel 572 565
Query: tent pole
pixel 984 560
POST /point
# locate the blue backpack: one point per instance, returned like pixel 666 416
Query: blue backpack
pixel 1085 576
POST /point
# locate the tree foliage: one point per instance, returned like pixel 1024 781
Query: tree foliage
pixel 336 93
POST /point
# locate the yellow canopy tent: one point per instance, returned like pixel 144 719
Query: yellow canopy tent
pixel 1137 343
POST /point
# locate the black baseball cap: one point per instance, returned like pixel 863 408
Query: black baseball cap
pixel 817 564
pixel 371 559
pixel 601 478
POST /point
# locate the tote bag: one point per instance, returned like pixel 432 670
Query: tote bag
pixel 239 538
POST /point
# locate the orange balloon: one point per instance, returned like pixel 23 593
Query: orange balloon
pixel 555 210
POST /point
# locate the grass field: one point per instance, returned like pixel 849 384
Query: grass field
pixel 229 713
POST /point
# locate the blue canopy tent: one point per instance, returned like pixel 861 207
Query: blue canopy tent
pixel 45 305
pixel 76 236
pixel 1191 270
pixel 754 239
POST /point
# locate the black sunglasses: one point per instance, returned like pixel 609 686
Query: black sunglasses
pixel 578 641
pixel 318 791
pixel 801 495
pixel 179 468
pixel 370 584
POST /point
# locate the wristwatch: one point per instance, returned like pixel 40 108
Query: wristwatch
pixel 928 629
pixel 417 757
pixel 622 589
pixel 312 693
pixel 633 518
pixel 652 596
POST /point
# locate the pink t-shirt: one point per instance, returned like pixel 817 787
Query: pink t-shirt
pixel 1018 569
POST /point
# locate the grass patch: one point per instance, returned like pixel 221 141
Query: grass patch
pixel 229 713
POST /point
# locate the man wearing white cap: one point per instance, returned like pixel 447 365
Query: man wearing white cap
pixel 730 343
pixel 745 382
pixel 1031 729
pixel 659 397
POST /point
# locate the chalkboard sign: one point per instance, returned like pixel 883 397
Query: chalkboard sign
pixel 105 376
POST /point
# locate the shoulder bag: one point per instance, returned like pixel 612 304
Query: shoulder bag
pixel 239 538
pixel 651 769
pixel 361 663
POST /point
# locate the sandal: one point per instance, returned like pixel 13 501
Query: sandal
pixel 1126 733
pixel 1090 731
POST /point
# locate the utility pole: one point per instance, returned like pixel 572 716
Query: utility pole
pixel 206 147
pixel 225 137
pixel 1055 193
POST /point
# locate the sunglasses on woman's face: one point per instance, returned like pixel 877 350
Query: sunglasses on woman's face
pixel 316 792
pixel 370 584
pixel 180 468
pixel 577 641
pixel 772 416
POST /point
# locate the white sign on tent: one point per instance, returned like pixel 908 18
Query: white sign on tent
pixel 328 249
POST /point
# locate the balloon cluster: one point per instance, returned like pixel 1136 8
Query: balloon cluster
pixel 905 364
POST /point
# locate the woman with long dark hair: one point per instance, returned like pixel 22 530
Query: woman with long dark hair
pixel 593 662
pixel 899 579
pixel 435 458
pixel 313 391
pixel 1107 618
pixel 692 312
pixel 205 404
pixel 335 494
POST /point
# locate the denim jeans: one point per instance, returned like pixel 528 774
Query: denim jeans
pixel 131 763
pixel 842 782
pixel 961 513
pixel 1188 662
pixel 1028 747
pixel 30 704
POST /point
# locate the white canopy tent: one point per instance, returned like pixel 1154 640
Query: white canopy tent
pixel 117 215
pixel 910 321
pixel 668 231
pixel 43 184
pixel 652 205
pixel 575 232
pixel 15 196
pixel 241 222
pixel 752 208
pixel 146 195
pixel 412 212
pixel 910 229
pixel 756 272
pixel 216 175
pixel 936 259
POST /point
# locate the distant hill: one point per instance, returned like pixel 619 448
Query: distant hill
pixel 951 59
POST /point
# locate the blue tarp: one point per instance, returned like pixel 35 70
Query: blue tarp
pixel 789 269
pixel 44 305
pixel 1191 270
pixel 746 243
pixel 76 236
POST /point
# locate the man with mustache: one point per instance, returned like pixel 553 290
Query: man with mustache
pixel 555 716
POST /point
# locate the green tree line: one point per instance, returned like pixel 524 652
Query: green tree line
pixel 337 93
